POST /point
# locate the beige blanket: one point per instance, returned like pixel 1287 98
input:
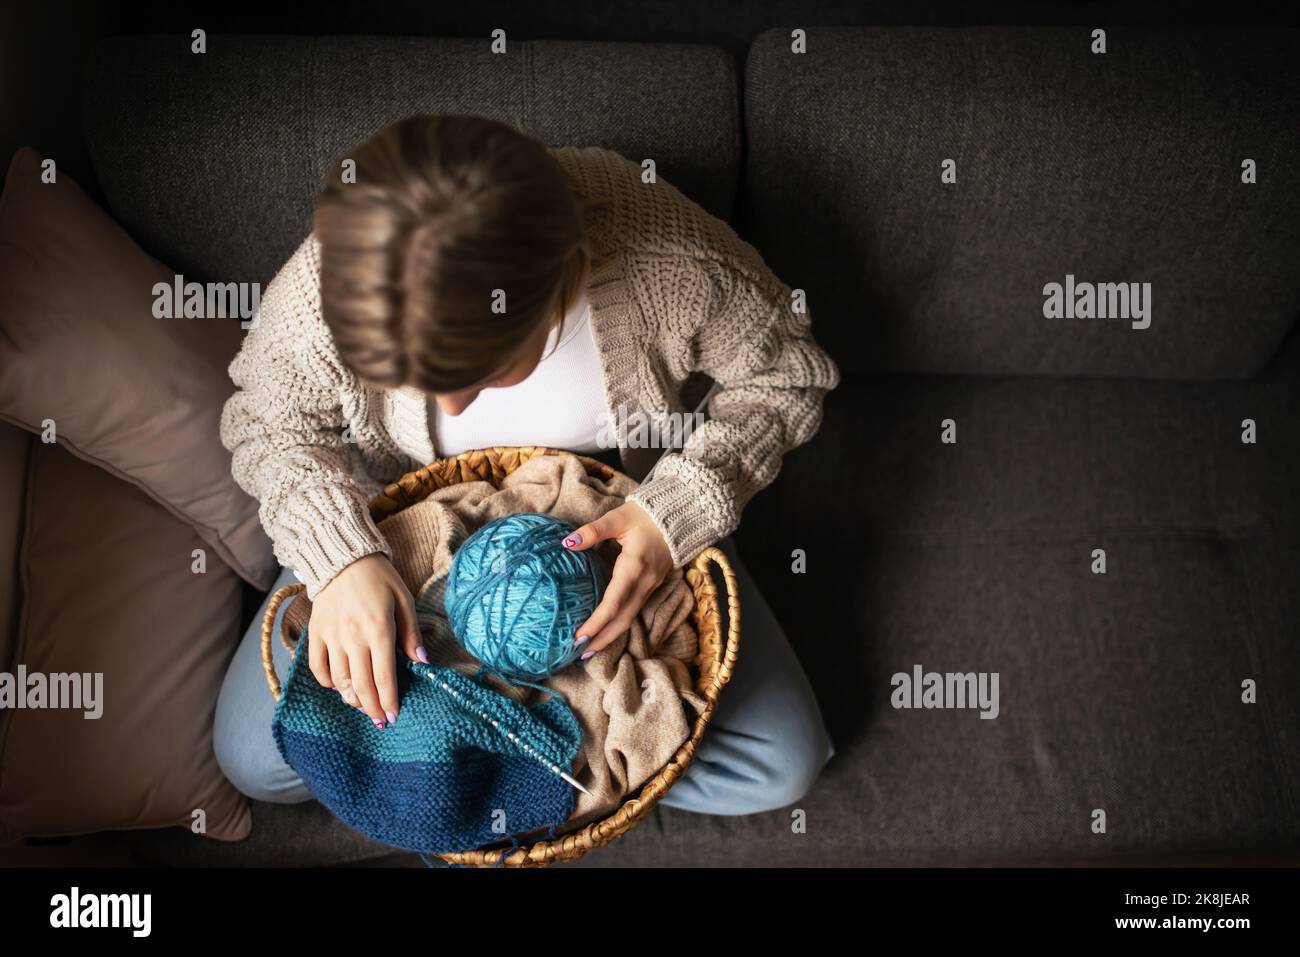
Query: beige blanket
pixel 634 700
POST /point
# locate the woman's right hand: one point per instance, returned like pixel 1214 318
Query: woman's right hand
pixel 357 620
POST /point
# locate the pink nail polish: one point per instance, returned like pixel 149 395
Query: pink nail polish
pixel 581 638
pixel 390 716
pixel 587 654
pixel 573 541
pixel 422 654
pixel 379 725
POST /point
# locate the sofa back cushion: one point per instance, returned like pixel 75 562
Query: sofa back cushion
pixel 1115 167
pixel 213 161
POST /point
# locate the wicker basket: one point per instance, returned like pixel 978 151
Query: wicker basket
pixel 713 663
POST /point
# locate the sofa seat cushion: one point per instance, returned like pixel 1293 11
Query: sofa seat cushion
pixel 1119 692
pixel 1042 459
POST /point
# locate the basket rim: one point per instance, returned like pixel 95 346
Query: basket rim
pixel 712 673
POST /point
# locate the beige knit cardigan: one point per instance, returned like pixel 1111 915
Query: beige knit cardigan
pixel 673 290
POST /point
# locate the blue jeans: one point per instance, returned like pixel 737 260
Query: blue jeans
pixel 763 749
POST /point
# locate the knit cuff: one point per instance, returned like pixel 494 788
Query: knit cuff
pixel 324 548
pixel 682 516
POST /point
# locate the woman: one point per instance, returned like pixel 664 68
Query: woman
pixel 469 287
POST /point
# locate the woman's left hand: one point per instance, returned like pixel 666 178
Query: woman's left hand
pixel 642 564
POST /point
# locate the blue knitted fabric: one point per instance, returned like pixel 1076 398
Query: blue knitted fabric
pixel 439 779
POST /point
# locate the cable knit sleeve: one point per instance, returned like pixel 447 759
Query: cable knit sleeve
pixel 283 427
pixel 772 376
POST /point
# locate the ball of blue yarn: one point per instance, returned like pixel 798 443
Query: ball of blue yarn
pixel 515 595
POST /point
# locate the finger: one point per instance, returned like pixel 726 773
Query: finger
pixel 621 586
pixel 363 683
pixel 347 694
pixel 383 663
pixel 408 629
pixel 622 621
pixel 609 525
pixel 340 673
pixel 319 660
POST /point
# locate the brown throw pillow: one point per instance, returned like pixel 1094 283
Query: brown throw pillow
pixel 109 589
pixel 138 396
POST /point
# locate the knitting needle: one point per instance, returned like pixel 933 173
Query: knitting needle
pixel 554 769
pixel 575 784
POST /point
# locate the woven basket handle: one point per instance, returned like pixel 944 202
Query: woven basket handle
pixel 268 626
pixel 727 658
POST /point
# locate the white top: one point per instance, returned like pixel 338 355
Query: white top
pixel 561 404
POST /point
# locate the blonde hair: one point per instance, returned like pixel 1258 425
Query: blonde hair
pixel 445 210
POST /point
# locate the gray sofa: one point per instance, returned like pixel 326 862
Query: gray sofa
pixel 1118 691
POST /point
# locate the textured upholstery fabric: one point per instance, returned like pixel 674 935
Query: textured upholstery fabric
pixel 1122 167
pixel 213 161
